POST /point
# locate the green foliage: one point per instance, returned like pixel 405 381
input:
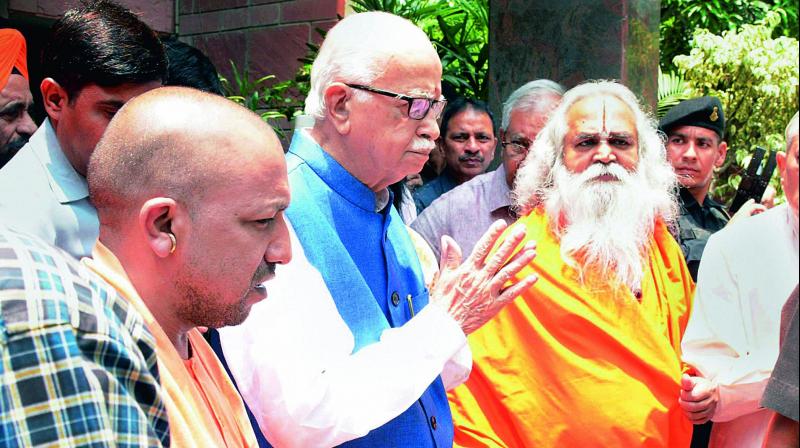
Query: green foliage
pixel 679 19
pixel 459 31
pixel 276 102
pixel 672 89
pixel 756 78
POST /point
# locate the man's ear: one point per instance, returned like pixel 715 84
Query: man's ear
pixel 337 106
pixel 722 151
pixel 158 219
pixel 780 157
pixel 55 98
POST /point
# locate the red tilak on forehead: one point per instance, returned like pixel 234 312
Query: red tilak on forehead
pixel 604 130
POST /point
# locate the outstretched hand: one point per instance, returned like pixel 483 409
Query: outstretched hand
pixel 473 292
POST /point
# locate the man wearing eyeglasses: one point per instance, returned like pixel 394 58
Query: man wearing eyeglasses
pixel 487 197
pixel 467 142
pixel 351 348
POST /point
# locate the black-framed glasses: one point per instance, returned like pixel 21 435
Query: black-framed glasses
pixel 418 107
pixel 518 147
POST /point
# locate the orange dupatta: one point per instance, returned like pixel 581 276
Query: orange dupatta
pixel 203 406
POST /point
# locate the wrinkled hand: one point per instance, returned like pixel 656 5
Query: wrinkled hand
pixel 749 208
pixel 698 399
pixel 474 292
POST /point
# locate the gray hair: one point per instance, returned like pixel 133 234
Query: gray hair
pixel 792 130
pixel 528 97
pixel 535 176
pixel 357 50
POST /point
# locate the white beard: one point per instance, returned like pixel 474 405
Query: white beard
pixel 605 225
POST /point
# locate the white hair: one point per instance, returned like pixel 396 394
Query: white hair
pixel 528 97
pixel 357 50
pixel 792 130
pixel 603 227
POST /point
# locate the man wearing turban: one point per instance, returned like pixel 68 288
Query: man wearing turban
pixel 16 125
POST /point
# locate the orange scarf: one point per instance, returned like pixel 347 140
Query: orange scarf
pixel 203 406
pixel 567 366
pixel 12 55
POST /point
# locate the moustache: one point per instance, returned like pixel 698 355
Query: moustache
pixel 600 169
pixel 465 157
pixel 422 144
pixel 12 148
pixel 266 270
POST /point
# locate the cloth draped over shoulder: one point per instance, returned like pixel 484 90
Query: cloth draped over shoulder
pixel 203 406
pixel 566 365
pixel 12 55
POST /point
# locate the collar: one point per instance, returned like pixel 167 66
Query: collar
pixel 499 194
pixel 690 202
pixel 335 175
pixel 65 182
pixel 687 199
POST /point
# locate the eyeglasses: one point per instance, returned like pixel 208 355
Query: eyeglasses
pixel 519 147
pixel 418 107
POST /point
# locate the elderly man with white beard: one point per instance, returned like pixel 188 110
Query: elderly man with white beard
pixel 590 355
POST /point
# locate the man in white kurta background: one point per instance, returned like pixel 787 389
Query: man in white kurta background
pixel 732 340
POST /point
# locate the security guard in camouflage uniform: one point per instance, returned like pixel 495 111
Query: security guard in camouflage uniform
pixel 695 130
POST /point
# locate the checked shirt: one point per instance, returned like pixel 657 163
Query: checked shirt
pixel 77 364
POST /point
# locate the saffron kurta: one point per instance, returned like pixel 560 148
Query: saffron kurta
pixel 566 366
pixel 203 406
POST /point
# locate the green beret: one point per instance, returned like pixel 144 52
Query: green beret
pixel 705 112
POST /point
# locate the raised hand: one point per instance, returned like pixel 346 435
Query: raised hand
pixel 473 292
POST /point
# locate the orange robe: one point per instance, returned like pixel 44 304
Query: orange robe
pixel 566 366
pixel 203 406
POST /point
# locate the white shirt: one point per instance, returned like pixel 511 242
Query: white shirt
pixel 41 193
pixel 746 274
pixel 293 363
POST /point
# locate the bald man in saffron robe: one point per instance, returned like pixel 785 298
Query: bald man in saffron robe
pixel 590 355
pixel 191 226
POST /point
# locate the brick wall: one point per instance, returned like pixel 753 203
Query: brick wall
pixel 264 36
pixel 156 13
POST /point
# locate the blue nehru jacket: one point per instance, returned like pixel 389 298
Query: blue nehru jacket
pixel 371 269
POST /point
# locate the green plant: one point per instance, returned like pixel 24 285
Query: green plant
pixel 458 30
pixel 679 19
pixel 672 89
pixel 756 78
pixel 274 101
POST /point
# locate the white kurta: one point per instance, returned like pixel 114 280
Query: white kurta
pixel 41 193
pixel 293 363
pixel 746 275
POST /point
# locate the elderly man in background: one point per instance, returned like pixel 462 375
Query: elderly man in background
pixel 16 125
pixel 352 346
pixel 191 242
pixel 467 141
pixel 465 212
pixel 97 57
pixel 591 354
pixel 732 340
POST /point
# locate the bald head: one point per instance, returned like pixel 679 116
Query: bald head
pixel 175 142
